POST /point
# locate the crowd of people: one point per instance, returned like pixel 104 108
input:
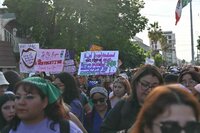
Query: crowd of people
pixel 147 100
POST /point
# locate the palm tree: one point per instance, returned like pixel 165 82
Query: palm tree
pixel 164 46
pixel 154 33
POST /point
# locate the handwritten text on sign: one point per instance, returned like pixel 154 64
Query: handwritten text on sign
pixel 50 60
pixel 98 63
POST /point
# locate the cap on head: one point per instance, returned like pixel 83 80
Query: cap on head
pixel 3 80
pixel 100 90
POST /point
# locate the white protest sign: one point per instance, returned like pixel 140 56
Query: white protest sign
pixel 149 61
pixel 98 63
pixel 28 54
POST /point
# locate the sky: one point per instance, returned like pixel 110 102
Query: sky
pixel 1 2
pixel 163 12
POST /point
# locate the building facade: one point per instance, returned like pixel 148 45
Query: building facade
pixel 170 53
pixel 141 44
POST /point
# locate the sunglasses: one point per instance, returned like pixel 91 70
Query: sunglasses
pixel 101 100
pixel 174 127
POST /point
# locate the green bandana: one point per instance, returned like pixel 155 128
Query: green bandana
pixel 50 90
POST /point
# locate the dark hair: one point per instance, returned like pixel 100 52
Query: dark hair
pixel 170 78
pixel 3 99
pixel 159 100
pixel 195 76
pixel 12 77
pixel 71 90
pixel 55 111
pixel 141 72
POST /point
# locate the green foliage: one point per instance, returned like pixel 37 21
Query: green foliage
pixel 76 24
pixel 154 32
pixel 133 56
pixel 198 43
pixel 158 60
pixel 156 35
pixel 163 42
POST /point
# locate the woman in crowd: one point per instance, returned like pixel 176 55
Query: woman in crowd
pixel 93 120
pixel 81 80
pixel 7 108
pixel 168 109
pixel 73 117
pixel 189 79
pixel 39 110
pixel 121 88
pixel 70 93
pixel 123 115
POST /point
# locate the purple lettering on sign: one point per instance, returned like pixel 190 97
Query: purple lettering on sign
pixel 98 62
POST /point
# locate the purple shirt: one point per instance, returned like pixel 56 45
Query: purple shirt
pixel 77 109
pixel 43 127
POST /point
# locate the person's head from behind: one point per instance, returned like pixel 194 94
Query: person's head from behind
pixel 99 97
pixel 144 80
pixel 7 108
pixel 168 109
pixel 36 99
pixel 170 78
pixel 12 77
pixel 121 86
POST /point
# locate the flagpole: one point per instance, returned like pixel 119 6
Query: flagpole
pixel 191 24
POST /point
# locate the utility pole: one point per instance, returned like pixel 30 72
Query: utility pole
pixel 192 41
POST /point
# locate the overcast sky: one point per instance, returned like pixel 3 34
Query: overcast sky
pixel 163 11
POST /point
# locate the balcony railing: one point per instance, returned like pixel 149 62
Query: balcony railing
pixel 13 40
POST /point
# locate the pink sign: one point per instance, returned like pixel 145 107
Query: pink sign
pixel 50 60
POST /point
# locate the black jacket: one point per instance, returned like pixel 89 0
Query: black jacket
pixel 121 117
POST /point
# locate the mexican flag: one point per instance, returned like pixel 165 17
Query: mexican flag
pixel 179 6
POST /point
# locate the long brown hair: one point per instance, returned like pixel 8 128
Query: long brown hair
pixel 143 71
pixel 157 102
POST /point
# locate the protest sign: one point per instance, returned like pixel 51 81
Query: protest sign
pixel 50 60
pixel 98 63
pixel 28 54
pixel 149 61
pixel 69 63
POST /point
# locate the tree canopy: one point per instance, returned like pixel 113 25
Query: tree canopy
pixel 76 24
